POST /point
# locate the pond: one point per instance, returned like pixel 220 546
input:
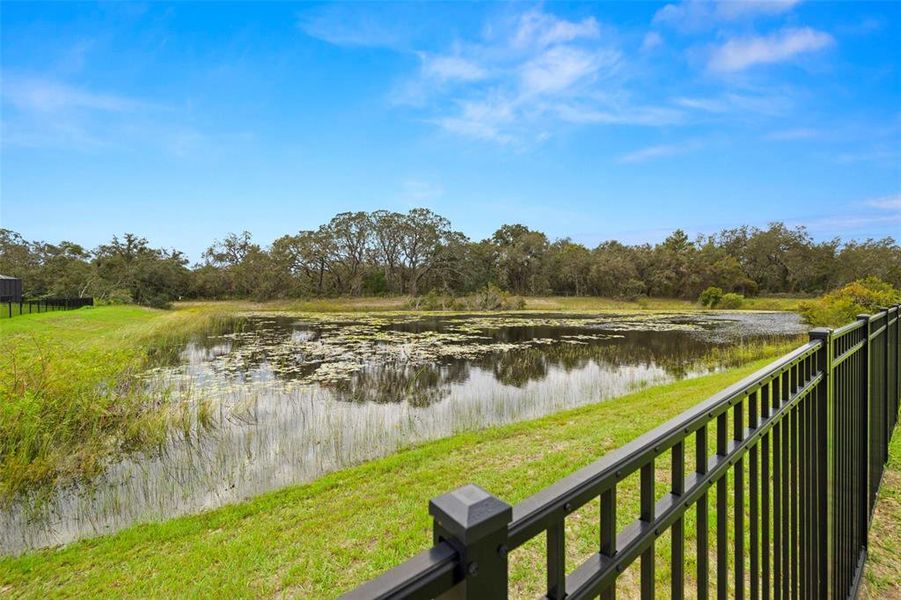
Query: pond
pixel 282 400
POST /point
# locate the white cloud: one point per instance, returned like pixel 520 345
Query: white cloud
pixel 886 202
pixel 559 68
pixel 619 115
pixel 738 9
pixel 742 104
pixel 696 15
pixel 450 68
pixel 658 151
pixel 523 78
pixel 35 94
pixel 43 112
pixel 741 53
pixel 419 192
pixel 487 119
pixel 800 133
pixel 537 29
pixel 886 156
pixel 363 26
pixel 651 40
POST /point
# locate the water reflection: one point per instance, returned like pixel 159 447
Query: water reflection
pixel 292 399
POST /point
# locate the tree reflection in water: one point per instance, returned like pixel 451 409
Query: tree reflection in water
pixel 416 360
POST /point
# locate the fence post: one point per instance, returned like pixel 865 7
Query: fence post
pixel 886 378
pixel 865 471
pixel 896 368
pixel 825 459
pixel 475 523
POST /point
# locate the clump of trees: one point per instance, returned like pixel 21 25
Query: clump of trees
pixel 126 269
pixel 418 252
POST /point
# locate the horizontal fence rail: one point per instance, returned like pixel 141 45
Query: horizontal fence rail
pixel 798 452
pixel 13 308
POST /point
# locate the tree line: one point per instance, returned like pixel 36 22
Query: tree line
pixel 412 253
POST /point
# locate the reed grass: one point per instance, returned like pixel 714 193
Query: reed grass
pixel 71 395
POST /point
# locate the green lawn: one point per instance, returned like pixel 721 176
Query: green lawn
pixel 882 574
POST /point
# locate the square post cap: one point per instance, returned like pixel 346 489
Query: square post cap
pixel 820 333
pixel 469 513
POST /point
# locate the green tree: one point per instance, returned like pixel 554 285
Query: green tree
pixel 520 259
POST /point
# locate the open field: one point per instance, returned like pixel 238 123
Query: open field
pixel 318 539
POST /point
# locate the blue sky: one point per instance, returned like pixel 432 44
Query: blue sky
pixel 182 122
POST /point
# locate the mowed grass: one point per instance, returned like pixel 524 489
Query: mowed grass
pixel 69 392
pixel 325 537
pixel 882 573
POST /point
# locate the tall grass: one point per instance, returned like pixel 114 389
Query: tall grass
pixel 71 395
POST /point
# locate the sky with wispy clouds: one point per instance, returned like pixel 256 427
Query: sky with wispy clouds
pixel 184 121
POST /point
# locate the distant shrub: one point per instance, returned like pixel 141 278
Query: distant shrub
pixel 844 304
pixel 488 299
pixel 494 298
pixel 632 290
pixel 516 303
pixel 731 301
pixel 434 301
pixel 711 297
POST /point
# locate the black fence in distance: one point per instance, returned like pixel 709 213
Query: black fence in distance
pixel 800 448
pixel 12 308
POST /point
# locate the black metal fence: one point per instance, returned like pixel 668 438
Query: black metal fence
pixel 12 308
pixel 813 429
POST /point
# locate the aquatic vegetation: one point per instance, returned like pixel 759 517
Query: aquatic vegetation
pixel 272 399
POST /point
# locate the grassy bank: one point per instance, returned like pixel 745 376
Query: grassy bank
pixel 532 303
pixel 315 540
pixel 882 574
pixel 70 390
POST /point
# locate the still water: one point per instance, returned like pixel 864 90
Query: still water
pixel 283 400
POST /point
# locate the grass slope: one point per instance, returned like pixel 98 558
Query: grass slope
pixel 69 395
pixel 882 573
pixel 319 539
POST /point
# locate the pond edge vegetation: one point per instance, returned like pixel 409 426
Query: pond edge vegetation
pixel 311 539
